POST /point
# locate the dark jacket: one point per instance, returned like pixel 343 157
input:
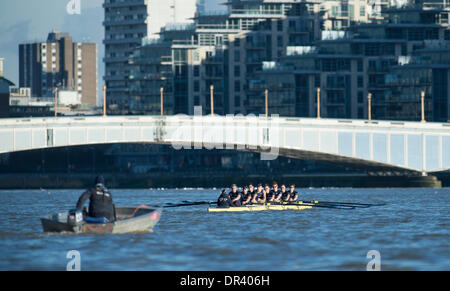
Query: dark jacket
pixel 224 200
pixel 100 202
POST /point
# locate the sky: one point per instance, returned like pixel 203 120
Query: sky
pixel 23 21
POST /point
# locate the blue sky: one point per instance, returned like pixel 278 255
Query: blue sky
pixel 24 21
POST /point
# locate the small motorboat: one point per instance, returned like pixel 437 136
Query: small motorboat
pixel 128 220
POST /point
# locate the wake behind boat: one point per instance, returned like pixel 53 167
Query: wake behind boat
pixel 128 219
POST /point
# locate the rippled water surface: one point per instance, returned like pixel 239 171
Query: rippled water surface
pixel 412 232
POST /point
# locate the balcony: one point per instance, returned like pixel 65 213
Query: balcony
pixel 112 22
pixel 123 3
pixel 183 43
pixel 216 76
pixel 217 27
pixel 115 59
pixel 339 15
pixel 248 12
pixel 114 78
pixel 147 76
pixel 213 61
pixel 136 40
pixel 256 46
pixel 142 60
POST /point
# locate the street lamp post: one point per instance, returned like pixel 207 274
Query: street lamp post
pixel 162 100
pixel 104 100
pixel 212 99
pixel 318 103
pixel 422 105
pixel 369 105
pixel 56 102
pixel 267 102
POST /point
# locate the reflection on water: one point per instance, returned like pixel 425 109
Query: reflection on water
pixel 411 233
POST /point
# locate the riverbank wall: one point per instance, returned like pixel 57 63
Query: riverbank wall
pixel 176 180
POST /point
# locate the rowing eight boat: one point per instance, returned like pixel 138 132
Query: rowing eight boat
pixel 260 208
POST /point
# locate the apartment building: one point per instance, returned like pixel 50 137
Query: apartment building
pixel 126 23
pixel 222 49
pixel 5 84
pixel 59 62
pixel 393 61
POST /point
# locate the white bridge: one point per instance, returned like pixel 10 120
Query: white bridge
pixel 392 145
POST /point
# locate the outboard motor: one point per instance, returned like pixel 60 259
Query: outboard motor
pixel 74 217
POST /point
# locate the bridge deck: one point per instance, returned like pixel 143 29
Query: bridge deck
pixel 411 146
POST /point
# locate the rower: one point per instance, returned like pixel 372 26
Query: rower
pixel 270 195
pixel 293 195
pixel 235 196
pixel 260 195
pixel 246 196
pixel 284 195
pixel 251 189
pixel 276 192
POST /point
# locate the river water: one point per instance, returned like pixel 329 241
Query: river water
pixel 411 232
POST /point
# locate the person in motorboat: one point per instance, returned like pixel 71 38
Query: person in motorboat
pixel 101 207
pixel 246 196
pixel 260 195
pixel 235 196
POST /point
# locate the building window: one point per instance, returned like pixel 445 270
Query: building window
pixel 317 81
pixel 351 11
pixel 360 82
pixel 196 71
pixel 237 86
pixel 237 100
pixel 196 56
pixel 360 65
pixel 237 56
pixel 280 41
pixel 280 25
pixel 292 24
pixel 404 50
pixel 360 97
pixel 360 112
pixel 196 86
pixel 219 40
pixel 237 71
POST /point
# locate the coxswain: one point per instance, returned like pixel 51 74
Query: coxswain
pixel 224 200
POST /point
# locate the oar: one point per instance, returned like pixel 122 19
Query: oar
pixel 188 203
pixel 363 205
pixel 358 204
pixel 305 203
pixel 335 206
